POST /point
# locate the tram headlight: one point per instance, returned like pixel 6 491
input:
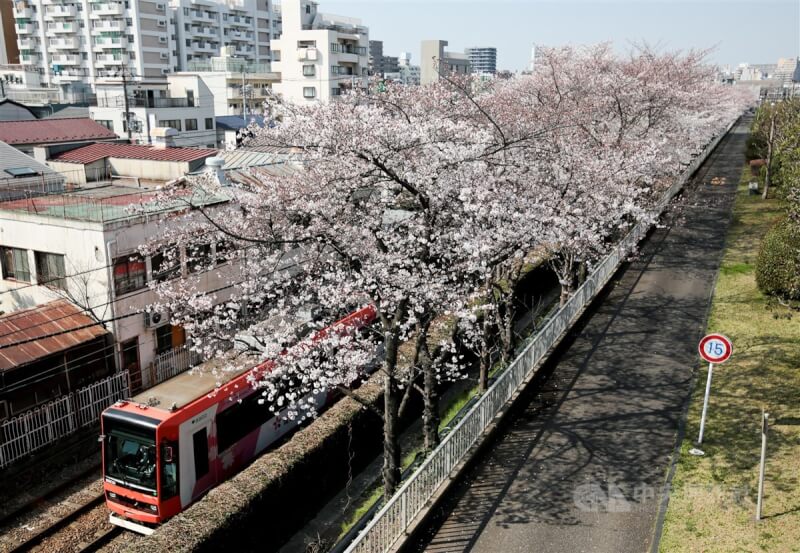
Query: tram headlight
pixel 154 508
pixel 112 495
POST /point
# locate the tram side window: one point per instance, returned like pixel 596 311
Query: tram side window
pixel 200 439
pixel 236 422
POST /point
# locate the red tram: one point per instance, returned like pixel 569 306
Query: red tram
pixel 168 446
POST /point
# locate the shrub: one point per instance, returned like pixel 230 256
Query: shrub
pixel 778 262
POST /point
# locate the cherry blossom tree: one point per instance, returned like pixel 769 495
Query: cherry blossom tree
pixel 424 204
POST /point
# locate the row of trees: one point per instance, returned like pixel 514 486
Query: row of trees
pixel 425 202
pixel 775 138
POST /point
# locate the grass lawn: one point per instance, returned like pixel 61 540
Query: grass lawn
pixel 712 504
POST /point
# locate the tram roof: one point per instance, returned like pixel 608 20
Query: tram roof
pixel 204 379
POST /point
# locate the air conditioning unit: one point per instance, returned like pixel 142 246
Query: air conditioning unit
pixel 164 55
pixel 162 39
pixel 155 319
pixel 161 7
pixel 162 23
pixel 165 71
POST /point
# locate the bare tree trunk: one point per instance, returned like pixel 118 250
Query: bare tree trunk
pixel 430 409
pixel 391 407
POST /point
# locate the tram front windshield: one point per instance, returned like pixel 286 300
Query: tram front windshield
pixel 130 455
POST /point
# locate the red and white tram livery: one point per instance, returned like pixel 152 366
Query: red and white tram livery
pixel 168 446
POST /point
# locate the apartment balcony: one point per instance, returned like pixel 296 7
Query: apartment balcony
pixel 239 22
pixel 107 27
pixel 208 47
pixel 69 76
pixel 204 31
pixel 54 29
pixel 344 57
pixel 25 28
pixel 106 43
pixel 21 9
pixel 106 60
pixel 65 59
pixel 29 59
pixel 64 43
pixel 28 44
pixel 107 8
pixel 61 11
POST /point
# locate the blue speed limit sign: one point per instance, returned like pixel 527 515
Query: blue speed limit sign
pixel 715 348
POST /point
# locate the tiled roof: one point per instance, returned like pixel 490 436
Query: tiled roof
pixel 94 152
pixel 32 334
pixel 50 131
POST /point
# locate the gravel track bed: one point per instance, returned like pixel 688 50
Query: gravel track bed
pixel 49 511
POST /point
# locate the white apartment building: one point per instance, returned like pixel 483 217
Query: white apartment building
pixel 84 246
pixel 203 27
pixel 436 60
pixel 181 101
pixel 73 43
pixel 318 55
pixel 482 59
pixel 236 84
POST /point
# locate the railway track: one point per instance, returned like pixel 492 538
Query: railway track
pixel 76 522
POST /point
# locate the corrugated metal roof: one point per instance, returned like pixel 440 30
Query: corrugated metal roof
pixel 32 334
pixel 94 152
pixel 49 131
pixel 11 158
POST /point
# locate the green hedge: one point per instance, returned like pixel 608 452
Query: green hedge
pixel 778 262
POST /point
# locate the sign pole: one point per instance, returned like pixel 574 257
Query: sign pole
pixel 764 430
pixel 705 403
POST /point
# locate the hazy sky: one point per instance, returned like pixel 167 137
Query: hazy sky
pixel 756 31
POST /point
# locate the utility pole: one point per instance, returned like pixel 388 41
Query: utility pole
pixel 125 98
pixel 244 95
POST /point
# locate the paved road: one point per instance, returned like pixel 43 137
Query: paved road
pixel 581 465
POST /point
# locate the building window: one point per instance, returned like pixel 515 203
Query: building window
pixel 129 274
pixel 166 264
pixel 308 71
pixel 335 47
pixel 163 339
pixel 107 123
pixel 209 123
pixel 191 124
pixel 15 264
pixel 174 123
pixel 199 257
pixel 309 92
pixel 50 270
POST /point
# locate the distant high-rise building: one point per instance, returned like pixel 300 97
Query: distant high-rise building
pixel 73 44
pixel 483 60
pixel 318 55
pixel 788 70
pixel 380 64
pixel 436 60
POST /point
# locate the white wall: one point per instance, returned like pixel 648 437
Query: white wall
pixel 90 248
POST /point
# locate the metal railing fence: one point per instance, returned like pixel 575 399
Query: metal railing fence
pixel 172 363
pixel 34 429
pixel 392 521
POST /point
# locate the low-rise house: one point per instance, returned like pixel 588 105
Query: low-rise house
pixel 26 135
pixel 182 102
pixel 48 351
pixel 104 161
pixel 83 246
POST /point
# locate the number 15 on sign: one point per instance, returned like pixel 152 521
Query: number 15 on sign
pixel 716 349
